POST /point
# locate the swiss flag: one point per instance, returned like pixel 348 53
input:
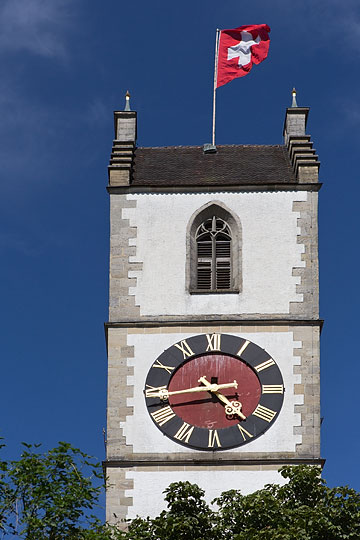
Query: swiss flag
pixel 239 49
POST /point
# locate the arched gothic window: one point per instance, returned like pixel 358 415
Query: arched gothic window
pixel 213 242
pixel 213 262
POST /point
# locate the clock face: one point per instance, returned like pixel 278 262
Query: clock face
pixel 214 392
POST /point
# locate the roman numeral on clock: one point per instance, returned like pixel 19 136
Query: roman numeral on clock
pixel 159 365
pixel 272 388
pixel 265 365
pixel 264 413
pixel 184 348
pixel 153 391
pixel 214 342
pixel 244 433
pixel 184 432
pixel 242 348
pixel 161 416
pixel 214 440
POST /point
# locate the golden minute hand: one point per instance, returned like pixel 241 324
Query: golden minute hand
pixel 224 399
pixel 164 394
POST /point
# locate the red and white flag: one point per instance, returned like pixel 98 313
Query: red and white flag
pixel 239 49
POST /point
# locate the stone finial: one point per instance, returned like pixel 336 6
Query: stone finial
pixel 293 93
pixel 127 101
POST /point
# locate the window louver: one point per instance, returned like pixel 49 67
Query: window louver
pixel 223 249
pixel 205 249
pixel 204 275
pixel 223 274
pixel 213 238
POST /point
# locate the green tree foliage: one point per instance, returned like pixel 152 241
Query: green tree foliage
pixel 46 495
pixel 188 517
pixel 50 496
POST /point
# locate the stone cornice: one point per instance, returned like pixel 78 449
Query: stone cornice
pixel 215 189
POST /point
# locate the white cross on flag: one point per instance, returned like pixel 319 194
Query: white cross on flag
pixel 239 49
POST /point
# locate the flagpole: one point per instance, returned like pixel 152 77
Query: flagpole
pixel 215 84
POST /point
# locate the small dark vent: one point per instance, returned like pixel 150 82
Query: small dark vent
pixel 223 249
pixel 204 275
pixel 223 274
pixel 205 249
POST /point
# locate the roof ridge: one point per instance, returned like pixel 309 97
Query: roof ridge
pixel 218 146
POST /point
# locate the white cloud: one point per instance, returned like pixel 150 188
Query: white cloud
pixel 36 26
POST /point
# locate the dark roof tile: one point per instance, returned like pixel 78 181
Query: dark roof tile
pixel 230 166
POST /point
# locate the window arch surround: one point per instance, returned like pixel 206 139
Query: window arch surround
pixel 217 218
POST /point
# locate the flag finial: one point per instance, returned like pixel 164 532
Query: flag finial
pixel 127 101
pixel 293 93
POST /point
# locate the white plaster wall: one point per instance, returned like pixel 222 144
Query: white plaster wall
pixel 145 437
pixel 270 252
pixel 149 486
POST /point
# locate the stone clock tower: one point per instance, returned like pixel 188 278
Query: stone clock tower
pixel 213 332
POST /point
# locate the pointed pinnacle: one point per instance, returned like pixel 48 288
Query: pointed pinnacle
pixel 127 101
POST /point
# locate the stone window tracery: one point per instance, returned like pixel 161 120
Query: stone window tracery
pixel 214 251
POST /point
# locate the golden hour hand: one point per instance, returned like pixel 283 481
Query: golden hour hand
pixel 232 407
pixel 164 394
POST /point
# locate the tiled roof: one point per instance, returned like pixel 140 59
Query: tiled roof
pixel 230 166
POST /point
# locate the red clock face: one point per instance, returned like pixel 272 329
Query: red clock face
pixel 214 392
pixel 204 410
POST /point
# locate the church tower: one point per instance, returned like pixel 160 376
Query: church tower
pixel 213 331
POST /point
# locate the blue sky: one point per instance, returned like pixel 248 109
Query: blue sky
pixel 65 66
